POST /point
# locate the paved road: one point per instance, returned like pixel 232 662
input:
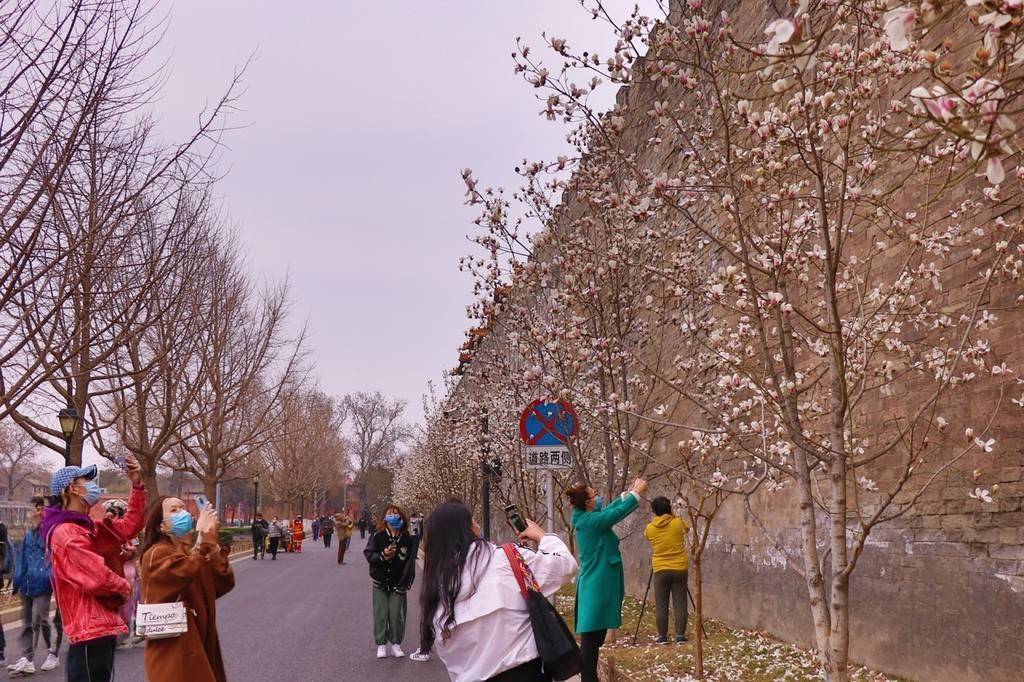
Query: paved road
pixel 301 617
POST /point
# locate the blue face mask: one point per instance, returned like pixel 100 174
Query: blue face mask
pixel 393 520
pixel 93 492
pixel 598 503
pixel 181 523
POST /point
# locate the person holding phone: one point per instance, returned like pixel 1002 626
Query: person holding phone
pixel 87 567
pixel 474 615
pixel 173 569
pixel 601 585
pixel 391 553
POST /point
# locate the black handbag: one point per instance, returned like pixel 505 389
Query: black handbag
pixel 556 646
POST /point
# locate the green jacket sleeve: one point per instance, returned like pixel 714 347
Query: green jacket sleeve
pixel 612 514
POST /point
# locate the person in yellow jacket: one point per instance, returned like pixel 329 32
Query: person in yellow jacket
pixel 667 535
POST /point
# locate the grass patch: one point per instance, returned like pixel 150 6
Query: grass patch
pixel 729 654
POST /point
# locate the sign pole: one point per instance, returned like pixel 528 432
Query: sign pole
pixel 551 501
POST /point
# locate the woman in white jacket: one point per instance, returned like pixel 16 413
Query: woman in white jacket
pixel 473 612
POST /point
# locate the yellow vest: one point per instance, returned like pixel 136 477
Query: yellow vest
pixel 667 535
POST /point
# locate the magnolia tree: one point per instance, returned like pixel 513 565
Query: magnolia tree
pixel 441 463
pixel 841 226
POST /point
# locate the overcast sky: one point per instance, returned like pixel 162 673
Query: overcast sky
pixel 345 179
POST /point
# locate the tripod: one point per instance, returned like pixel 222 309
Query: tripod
pixel 643 607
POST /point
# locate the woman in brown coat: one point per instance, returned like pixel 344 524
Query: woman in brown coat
pixel 171 570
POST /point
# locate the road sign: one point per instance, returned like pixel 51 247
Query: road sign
pixel 548 457
pixel 547 429
pixel 548 424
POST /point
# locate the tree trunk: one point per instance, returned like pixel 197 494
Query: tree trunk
pixel 812 567
pixel 149 479
pixel 698 618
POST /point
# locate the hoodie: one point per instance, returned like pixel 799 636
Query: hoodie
pixel 667 535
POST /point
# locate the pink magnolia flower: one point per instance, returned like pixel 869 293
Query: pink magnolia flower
pixel 938 102
pixel 898 24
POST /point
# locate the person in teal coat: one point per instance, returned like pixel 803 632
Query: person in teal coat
pixel 600 584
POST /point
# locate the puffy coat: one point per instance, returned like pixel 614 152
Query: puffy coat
pixel 31 567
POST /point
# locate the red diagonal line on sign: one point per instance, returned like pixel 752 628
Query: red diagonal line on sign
pixel 547 427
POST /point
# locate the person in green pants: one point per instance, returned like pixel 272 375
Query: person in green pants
pixel 601 584
pixel 391 553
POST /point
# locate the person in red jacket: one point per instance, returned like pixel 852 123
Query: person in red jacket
pixel 87 571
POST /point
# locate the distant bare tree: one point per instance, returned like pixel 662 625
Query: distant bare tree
pixel 19 456
pixel 376 431
pixel 305 456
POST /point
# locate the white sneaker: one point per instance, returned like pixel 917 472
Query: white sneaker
pixel 23 667
pixel 418 657
pixel 396 651
pixel 382 651
pixel 12 666
pixel 50 663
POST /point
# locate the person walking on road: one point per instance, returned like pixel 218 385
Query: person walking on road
pixel 260 528
pixel 31 583
pixel 316 529
pixel 362 527
pixel 172 570
pixel 474 615
pixel 274 534
pixel 601 584
pixel 667 535
pixel 298 534
pixel 391 553
pixel 89 592
pixel 327 530
pixel 344 526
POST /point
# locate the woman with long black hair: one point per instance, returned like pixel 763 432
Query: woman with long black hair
pixel 474 615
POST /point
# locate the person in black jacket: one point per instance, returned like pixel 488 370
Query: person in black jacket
pixel 391 552
pixel 260 529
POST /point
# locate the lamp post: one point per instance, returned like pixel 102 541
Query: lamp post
pixel 68 418
pixel 255 497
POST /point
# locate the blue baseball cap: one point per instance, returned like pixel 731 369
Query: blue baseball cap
pixel 62 478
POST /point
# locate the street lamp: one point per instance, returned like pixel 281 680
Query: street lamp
pixel 255 497
pixel 68 418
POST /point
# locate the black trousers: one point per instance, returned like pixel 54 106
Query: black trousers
pixel 590 649
pixel 92 661
pixel 531 671
pixel 274 542
pixel 259 547
pixel 327 539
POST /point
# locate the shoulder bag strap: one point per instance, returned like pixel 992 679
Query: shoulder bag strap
pixel 515 561
pixel 142 597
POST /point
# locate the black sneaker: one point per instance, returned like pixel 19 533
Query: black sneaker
pixel 661 640
pixel 680 639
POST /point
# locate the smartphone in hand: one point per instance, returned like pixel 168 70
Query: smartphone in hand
pixel 515 519
pixel 120 461
pixel 202 502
